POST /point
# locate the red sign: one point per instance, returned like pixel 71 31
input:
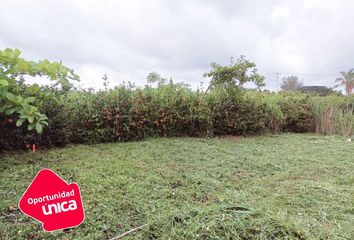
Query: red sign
pixel 50 200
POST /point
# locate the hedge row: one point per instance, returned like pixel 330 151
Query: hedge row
pixel 125 114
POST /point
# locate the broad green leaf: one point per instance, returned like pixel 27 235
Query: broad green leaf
pixel 39 128
pixel 31 126
pixel 30 119
pixel 19 99
pixel 3 83
pixel 32 110
pixel 20 122
pixel 10 111
pixel 12 97
pixel 30 99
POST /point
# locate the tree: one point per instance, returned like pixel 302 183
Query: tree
pixel 291 83
pixel 347 80
pixel 21 99
pixel 155 77
pixel 105 81
pixel 236 74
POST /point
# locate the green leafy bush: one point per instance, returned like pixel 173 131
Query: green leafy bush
pixel 126 113
pixel 234 113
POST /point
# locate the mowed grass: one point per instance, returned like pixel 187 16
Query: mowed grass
pixel 291 186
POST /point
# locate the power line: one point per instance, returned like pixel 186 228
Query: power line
pixel 278 74
pixel 313 74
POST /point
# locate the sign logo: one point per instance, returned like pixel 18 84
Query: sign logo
pixel 53 202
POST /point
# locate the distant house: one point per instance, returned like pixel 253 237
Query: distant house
pixel 320 90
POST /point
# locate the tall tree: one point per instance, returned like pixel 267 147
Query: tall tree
pixel 155 77
pixel 237 73
pixel 291 83
pixel 347 80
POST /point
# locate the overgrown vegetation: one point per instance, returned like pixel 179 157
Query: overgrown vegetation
pixel 333 115
pixel 291 186
pixel 161 108
pixel 171 109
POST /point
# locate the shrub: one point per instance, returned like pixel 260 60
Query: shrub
pixel 297 113
pixel 126 113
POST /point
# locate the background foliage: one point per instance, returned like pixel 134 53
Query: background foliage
pixel 127 113
pixel 162 108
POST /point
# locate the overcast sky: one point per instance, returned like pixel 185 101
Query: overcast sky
pixel 179 39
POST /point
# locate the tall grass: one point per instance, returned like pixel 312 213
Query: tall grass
pixel 333 114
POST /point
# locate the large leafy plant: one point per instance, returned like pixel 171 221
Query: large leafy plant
pixel 21 99
pixel 236 74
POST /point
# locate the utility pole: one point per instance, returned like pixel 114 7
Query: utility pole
pixel 278 74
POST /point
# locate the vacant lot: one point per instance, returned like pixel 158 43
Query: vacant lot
pixel 274 187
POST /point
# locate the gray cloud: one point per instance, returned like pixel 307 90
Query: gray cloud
pixel 129 39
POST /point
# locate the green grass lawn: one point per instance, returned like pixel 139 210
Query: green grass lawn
pixel 290 186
